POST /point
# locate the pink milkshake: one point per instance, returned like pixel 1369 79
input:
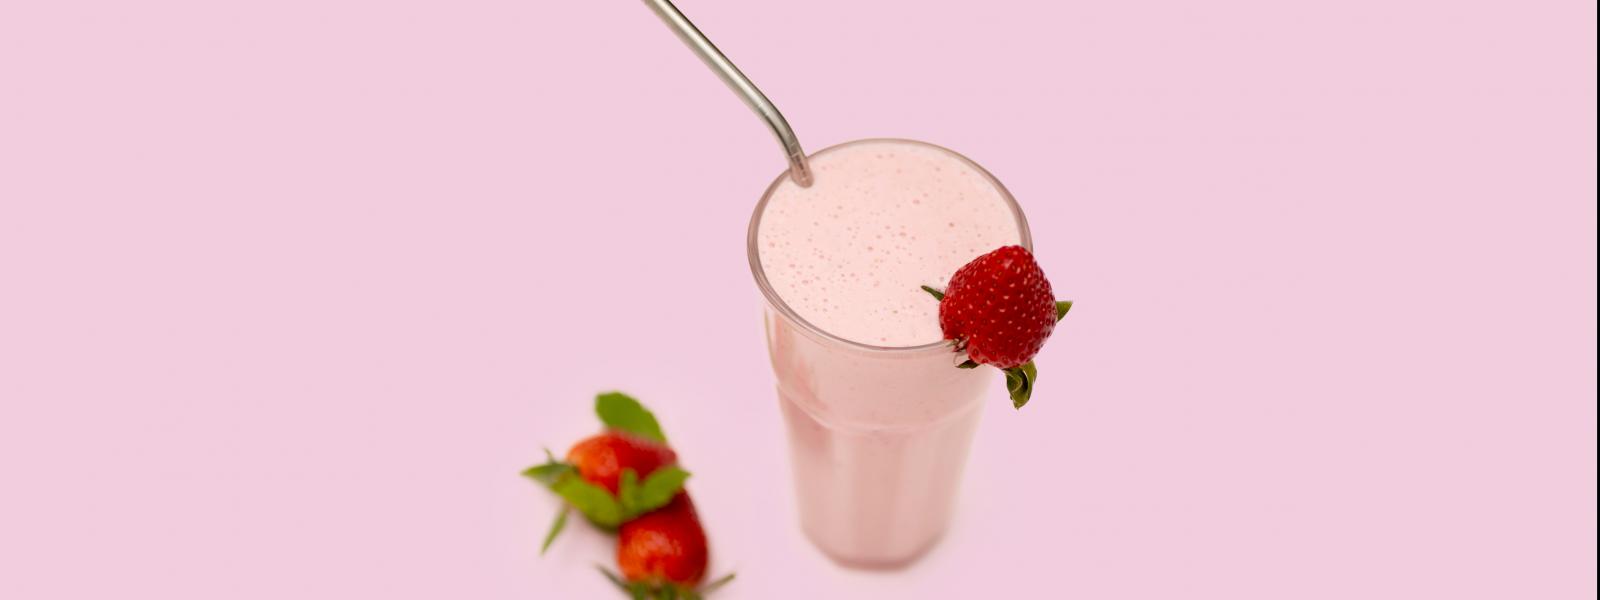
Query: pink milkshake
pixel 880 419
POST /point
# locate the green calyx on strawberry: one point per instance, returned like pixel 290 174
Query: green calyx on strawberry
pixel 999 309
pixel 616 476
pixel 655 590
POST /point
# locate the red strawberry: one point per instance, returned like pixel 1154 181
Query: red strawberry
pixel 627 480
pixel 615 476
pixel 664 547
pixel 999 309
pixel 600 459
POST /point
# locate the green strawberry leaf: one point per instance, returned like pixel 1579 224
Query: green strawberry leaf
pixel 621 412
pixel 660 487
pixel 656 491
pixel 1019 381
pixel 670 591
pixel 660 590
pixel 592 500
pixel 970 364
pixel 937 295
pixel 615 579
pixel 628 493
pixel 555 529
pixel 547 473
pixel 637 590
pixel 712 587
pixel 550 472
pixel 1062 307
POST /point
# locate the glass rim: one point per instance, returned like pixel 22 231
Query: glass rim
pixel 753 249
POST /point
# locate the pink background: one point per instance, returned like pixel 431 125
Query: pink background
pixel 292 290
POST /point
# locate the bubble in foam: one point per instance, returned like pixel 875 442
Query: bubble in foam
pixel 928 205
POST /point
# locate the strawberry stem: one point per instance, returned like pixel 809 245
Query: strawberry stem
pixel 937 295
pixel 1062 307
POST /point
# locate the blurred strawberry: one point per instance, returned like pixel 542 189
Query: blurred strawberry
pixel 666 546
pixel 600 459
pixel 615 476
pixel 663 555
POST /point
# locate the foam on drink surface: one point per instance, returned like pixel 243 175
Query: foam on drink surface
pixel 883 218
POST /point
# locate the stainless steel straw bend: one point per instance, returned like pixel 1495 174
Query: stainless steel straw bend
pixel 741 85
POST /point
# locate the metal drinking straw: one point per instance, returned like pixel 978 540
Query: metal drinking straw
pixel 741 85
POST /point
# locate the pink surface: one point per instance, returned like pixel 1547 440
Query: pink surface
pixel 292 290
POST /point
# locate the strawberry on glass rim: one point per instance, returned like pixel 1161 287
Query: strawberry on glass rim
pixel 999 309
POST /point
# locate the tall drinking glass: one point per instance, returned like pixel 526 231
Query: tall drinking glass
pixel 878 435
